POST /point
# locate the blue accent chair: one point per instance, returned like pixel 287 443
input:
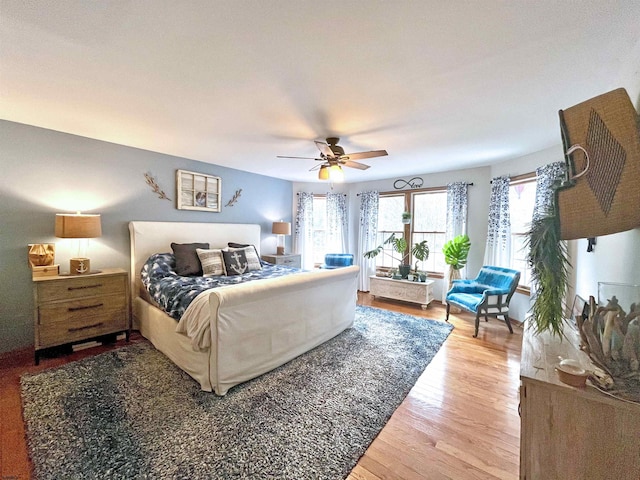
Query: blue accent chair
pixel 488 294
pixel 337 260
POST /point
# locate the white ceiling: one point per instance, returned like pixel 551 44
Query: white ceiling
pixel 441 85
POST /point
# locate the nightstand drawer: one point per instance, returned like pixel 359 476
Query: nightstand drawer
pixel 290 260
pixel 81 328
pixel 80 287
pixel 81 308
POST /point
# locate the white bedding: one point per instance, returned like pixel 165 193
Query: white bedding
pixel 195 322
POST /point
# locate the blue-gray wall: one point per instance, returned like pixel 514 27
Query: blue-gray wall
pixel 44 172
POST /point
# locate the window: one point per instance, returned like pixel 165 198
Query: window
pixel 429 210
pixel 522 195
pixel 390 208
pixel 430 224
pixel 319 234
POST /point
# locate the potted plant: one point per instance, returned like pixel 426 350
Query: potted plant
pixel 406 217
pixel 401 246
pixel 456 252
pixel 420 251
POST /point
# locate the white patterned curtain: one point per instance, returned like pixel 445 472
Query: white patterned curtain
pixel 456 209
pixel 367 237
pixel 546 175
pixel 304 229
pixel 498 249
pixel 457 203
pixel 336 223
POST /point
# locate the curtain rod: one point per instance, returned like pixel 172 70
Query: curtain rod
pixel 343 194
pixel 519 178
pixel 470 184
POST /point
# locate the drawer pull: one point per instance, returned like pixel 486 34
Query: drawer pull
pixel 97 285
pixel 74 309
pixel 77 329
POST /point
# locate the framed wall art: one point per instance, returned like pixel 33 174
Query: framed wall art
pixel 198 191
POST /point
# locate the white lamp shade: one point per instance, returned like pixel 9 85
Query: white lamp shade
pixel 323 173
pixel 336 173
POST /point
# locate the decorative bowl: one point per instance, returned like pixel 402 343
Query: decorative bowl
pixel 570 372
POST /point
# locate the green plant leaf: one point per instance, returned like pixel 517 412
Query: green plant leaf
pixel 456 251
pixel 420 250
pixel 400 245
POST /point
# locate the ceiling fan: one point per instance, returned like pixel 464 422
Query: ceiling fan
pixel 333 159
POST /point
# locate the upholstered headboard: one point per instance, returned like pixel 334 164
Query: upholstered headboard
pixel 148 238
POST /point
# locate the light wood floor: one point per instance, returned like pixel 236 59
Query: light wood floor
pixel 460 421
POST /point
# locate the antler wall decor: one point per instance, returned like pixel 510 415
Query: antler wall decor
pixel 234 199
pixel 154 185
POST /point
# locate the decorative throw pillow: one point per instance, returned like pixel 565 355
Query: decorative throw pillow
pixel 235 261
pixel 251 253
pixel 212 262
pixel 187 261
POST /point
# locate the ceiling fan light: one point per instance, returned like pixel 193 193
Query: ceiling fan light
pixel 323 173
pixel 336 174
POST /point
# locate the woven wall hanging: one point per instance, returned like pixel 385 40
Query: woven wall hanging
pixel 602 150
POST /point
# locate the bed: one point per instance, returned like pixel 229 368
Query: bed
pixel 252 327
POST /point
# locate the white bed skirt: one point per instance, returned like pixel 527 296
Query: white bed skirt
pixel 257 326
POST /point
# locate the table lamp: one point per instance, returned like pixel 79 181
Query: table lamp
pixel 281 229
pixel 82 227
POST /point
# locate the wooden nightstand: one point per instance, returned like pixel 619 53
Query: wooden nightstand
pixel 288 259
pixel 74 308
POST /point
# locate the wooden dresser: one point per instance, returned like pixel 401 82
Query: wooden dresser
pixel 572 433
pixel 75 308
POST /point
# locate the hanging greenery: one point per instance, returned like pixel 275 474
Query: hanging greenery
pixel 549 273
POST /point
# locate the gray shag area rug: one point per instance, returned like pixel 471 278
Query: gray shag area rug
pixel 131 413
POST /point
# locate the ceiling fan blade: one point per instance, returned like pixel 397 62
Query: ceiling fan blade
pixel 358 165
pixel 324 149
pixel 303 158
pixel 361 155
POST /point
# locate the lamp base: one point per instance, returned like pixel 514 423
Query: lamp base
pixel 279 250
pixel 79 266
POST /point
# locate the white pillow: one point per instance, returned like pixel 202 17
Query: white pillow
pixel 212 262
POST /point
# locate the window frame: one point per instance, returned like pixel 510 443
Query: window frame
pixel 408 228
pixel 532 178
pixel 313 230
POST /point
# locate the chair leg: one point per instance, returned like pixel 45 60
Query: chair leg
pixel 507 320
pixel 475 335
pixel 447 317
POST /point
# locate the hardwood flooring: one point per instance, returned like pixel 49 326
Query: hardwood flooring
pixel 460 421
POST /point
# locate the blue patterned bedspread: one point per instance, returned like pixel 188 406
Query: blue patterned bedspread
pixel 173 293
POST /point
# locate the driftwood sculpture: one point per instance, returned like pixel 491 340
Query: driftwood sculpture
pixel 611 338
